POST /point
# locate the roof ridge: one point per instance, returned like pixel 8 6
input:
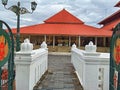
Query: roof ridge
pixel 64 17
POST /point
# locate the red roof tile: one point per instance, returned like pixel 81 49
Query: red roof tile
pixel 110 18
pixel 64 29
pixel 111 25
pixel 117 5
pixel 64 17
pixel 64 23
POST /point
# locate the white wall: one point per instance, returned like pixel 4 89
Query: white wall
pixel 30 66
pixel 92 69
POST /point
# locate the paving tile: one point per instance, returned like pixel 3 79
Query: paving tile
pixel 60 75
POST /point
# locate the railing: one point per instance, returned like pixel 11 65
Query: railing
pixel 30 65
pixel 92 68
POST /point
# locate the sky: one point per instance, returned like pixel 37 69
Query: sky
pixel 89 11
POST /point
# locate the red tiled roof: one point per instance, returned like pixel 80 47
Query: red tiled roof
pixel 111 25
pixel 64 29
pixel 64 23
pixel 117 5
pixel 110 18
pixel 64 17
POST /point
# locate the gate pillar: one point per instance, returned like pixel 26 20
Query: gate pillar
pixel 115 59
pixel 6 57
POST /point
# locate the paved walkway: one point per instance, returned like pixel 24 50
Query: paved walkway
pixel 60 75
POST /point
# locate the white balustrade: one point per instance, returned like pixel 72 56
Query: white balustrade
pixel 30 65
pixel 92 68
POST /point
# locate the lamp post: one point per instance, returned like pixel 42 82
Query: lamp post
pixel 19 10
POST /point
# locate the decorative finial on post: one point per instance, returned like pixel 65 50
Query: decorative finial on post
pixel 74 45
pixel 44 45
pixel 26 46
pixel 90 47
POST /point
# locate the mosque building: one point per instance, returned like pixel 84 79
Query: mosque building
pixel 62 30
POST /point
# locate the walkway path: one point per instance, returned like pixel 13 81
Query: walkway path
pixel 61 75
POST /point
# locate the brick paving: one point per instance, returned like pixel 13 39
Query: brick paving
pixel 60 74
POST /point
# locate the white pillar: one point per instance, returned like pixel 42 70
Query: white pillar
pixel 23 62
pixel 104 41
pixel 79 42
pixel 29 37
pixel 30 65
pixel 69 41
pixel 53 41
pixel 45 38
pixel 96 41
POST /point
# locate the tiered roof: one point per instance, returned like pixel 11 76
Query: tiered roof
pixel 64 23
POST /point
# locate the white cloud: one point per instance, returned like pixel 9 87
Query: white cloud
pixel 90 11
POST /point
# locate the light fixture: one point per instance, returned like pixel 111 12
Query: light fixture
pixel 33 5
pixel 4 2
pixel 19 10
